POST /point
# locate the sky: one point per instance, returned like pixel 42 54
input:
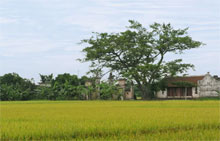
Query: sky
pixel 42 36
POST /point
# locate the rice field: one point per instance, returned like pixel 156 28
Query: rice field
pixel 110 120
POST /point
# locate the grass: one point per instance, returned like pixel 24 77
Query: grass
pixel 209 98
pixel 110 120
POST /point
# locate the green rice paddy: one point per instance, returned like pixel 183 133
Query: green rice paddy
pixel 110 120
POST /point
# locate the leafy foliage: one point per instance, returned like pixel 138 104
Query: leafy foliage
pixel 46 78
pixel 63 87
pixel 14 87
pixel 184 84
pixel 138 54
pixel 107 91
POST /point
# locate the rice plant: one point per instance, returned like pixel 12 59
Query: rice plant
pixel 110 120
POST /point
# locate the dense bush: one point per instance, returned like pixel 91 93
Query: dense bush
pixel 14 87
pixel 107 91
pixel 68 87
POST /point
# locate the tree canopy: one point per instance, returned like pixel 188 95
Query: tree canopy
pixel 14 87
pixel 139 53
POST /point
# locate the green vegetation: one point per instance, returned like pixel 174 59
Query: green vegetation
pixel 184 84
pixel 63 87
pixel 14 87
pixel 110 120
pixel 139 53
pixel 209 98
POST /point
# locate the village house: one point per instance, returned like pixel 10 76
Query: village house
pixel 191 87
pixel 176 87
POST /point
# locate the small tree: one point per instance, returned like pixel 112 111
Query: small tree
pixel 107 91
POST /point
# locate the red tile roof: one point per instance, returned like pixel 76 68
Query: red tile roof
pixel 192 79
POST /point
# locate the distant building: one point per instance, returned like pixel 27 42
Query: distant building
pixel 127 91
pixel 200 86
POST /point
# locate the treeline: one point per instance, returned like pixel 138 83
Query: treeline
pixel 63 87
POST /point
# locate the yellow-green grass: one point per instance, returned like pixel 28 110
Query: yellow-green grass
pixel 110 120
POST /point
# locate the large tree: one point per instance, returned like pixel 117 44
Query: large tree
pixel 139 53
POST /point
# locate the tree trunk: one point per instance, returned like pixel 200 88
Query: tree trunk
pixel 145 91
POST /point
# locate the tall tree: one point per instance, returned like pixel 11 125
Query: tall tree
pixel 138 53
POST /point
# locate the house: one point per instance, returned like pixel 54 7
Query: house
pixel 191 87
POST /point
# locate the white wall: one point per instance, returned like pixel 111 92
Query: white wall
pixel 208 86
pixel 161 94
pixel 194 92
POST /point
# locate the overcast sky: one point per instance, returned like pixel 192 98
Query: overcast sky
pixel 42 36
